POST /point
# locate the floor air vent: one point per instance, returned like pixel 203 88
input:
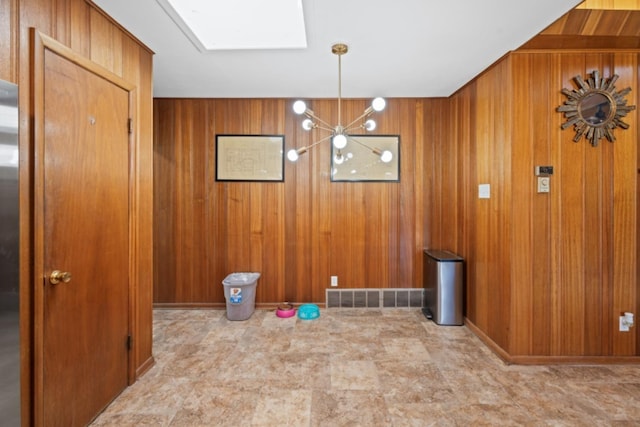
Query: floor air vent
pixel 374 298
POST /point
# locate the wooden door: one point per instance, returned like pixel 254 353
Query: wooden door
pixel 84 176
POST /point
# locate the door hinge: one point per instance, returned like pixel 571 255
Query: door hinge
pixel 129 342
pixel 130 126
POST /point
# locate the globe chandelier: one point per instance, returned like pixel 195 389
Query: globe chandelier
pixel 340 134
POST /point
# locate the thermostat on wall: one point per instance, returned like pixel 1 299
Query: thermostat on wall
pixel 544 170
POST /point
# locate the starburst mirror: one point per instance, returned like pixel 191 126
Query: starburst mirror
pixel 595 109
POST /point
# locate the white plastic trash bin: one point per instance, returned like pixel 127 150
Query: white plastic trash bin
pixel 240 293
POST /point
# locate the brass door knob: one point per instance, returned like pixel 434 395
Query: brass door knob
pixel 58 276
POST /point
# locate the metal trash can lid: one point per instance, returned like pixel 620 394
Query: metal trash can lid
pixel 443 256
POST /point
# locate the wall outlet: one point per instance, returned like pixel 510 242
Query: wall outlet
pixel 623 325
pixel 626 321
pixel 334 280
pixel 484 191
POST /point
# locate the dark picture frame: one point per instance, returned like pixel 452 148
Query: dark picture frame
pixel 250 158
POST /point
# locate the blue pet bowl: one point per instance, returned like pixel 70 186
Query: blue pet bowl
pixel 308 312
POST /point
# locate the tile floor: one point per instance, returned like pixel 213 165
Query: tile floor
pixel 362 367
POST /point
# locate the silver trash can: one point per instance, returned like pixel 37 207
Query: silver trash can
pixel 443 287
pixel 240 293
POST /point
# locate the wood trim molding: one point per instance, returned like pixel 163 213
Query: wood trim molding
pixel 577 360
pixel 145 366
pixel 214 306
pixel 40 43
pixel 499 351
pixel 548 360
pixel 561 42
pixel 43 42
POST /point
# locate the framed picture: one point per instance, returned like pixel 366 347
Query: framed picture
pixel 362 160
pixel 249 157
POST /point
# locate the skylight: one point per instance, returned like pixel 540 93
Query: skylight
pixel 239 24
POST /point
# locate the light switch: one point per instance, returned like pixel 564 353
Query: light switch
pixel 543 184
pixel 484 191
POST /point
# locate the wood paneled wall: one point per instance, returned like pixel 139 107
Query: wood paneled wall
pixel 84 28
pixel 547 275
pixel 595 24
pixel 610 4
pixel 588 29
pixel 296 233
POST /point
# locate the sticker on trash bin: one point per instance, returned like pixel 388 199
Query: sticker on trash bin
pixel 236 295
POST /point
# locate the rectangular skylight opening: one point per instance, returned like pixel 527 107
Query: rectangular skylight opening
pixel 239 24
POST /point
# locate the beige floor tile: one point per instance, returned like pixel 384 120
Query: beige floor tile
pixel 356 367
pixel 354 375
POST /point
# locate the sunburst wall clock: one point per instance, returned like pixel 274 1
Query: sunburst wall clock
pixel 595 109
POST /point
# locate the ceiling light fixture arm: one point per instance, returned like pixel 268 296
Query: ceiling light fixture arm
pixel 293 154
pixel 386 156
pixel 363 116
pixel 316 120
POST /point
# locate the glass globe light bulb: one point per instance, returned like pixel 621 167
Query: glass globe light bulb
pixel 370 125
pixel 339 141
pixel 386 156
pixel 299 107
pixel 338 159
pixel 307 124
pixel 378 104
pixel 292 155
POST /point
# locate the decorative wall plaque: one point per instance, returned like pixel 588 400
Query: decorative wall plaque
pixel 595 109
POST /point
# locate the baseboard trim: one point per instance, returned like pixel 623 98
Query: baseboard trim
pixel 575 360
pixel 274 305
pixel 144 367
pixel 549 360
pixel 189 305
pixel 493 346
pixel 220 306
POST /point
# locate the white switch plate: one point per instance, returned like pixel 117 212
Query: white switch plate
pixel 484 191
pixel 544 184
pixel 334 280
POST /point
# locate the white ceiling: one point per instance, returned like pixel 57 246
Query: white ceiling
pixel 401 48
pixel 224 24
